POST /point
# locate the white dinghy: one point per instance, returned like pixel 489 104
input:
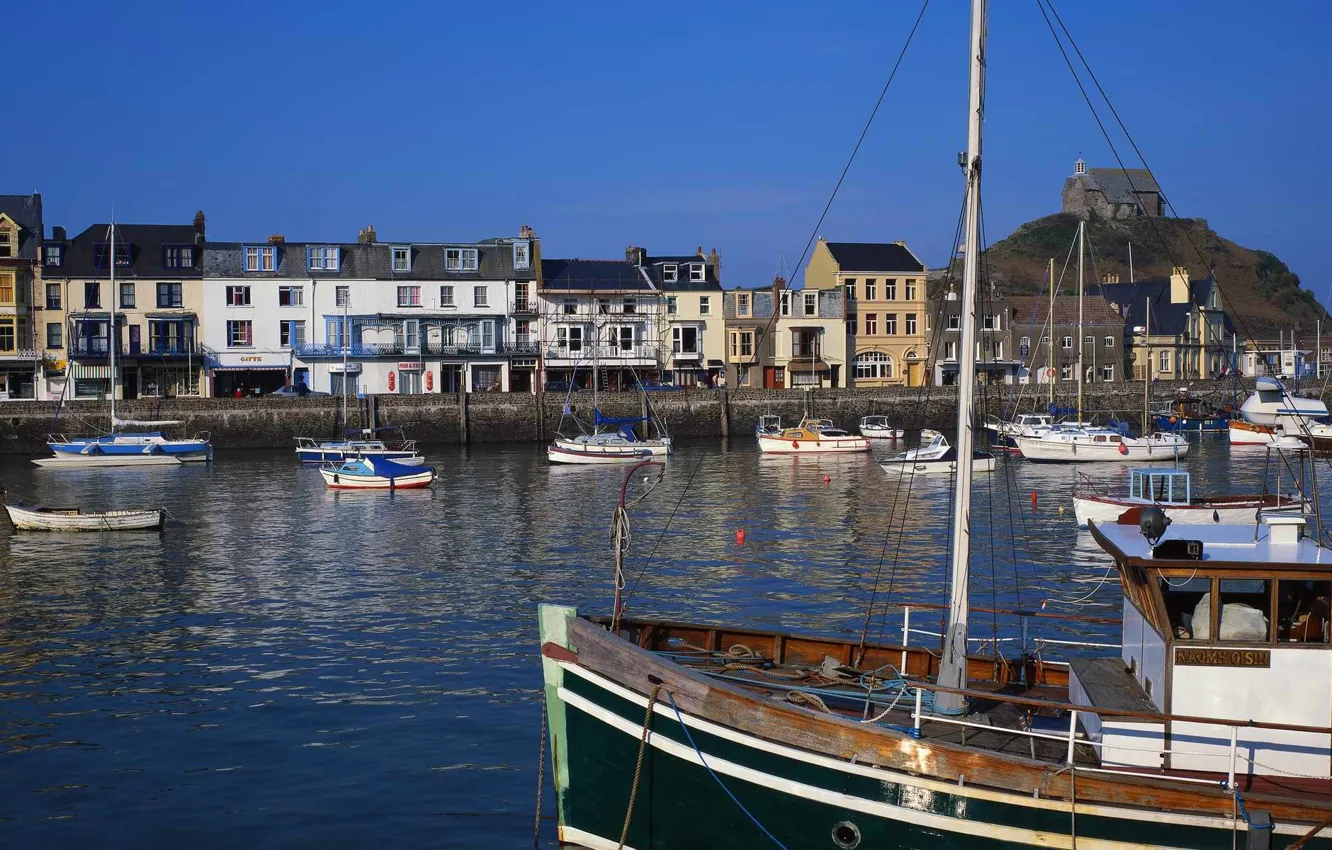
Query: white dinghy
pixel 75 519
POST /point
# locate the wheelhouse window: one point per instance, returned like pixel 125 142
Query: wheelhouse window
pixel 1304 611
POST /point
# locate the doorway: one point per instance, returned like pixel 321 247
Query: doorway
pixel 129 388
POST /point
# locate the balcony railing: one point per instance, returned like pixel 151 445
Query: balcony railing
pixel 18 354
pixel 805 352
pixel 604 353
pixel 101 348
pixel 529 306
pixel 395 349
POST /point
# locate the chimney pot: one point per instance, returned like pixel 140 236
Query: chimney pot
pixel 277 239
pixel 199 222
pixel 367 236
pixel 58 233
pixel 525 232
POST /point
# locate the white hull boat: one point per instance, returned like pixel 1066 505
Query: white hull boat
pixel 1223 510
pixel 1089 445
pixel 936 457
pixel 606 449
pixel 1273 405
pixel 74 519
pixel 81 461
pixel 878 428
pixel 376 474
pixel 812 436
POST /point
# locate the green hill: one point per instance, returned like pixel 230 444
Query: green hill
pixel 1260 293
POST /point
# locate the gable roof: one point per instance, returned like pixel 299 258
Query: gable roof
pixel 874 257
pixel 1167 318
pixel 146 255
pixel 372 260
pixel 1118 185
pixel 26 211
pixel 594 276
pixel 1034 310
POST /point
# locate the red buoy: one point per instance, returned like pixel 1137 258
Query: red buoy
pixel 1033 500
pixel 739 537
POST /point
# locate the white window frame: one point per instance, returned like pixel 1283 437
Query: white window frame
pixel 234 325
pixel 251 263
pixel 890 289
pixel 811 305
pixel 295 296
pixel 697 273
pixel 1024 342
pixel 910 289
pixel 786 302
pixel 412 293
pixel 705 305
pixel 1066 343
pixel 446 295
pixel 403 253
pixel 890 324
pixel 267 258
pixel 954 322
pixel 909 324
pixel 1108 373
pixel 1110 342
pixel 744 304
pixel 1089 341
pixel 288 328
pixel 672 305
pixel 670 273
pixel 871 289
pixel 522 255
pixel 471 259
pixel 871 324
pixel 238 295
pixel 342 296
pixel 324 258
pixel 480 295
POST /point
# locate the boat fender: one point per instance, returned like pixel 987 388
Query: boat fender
pixel 1173 420
pixel 1123 449
pixel 335 478
pixel 795 444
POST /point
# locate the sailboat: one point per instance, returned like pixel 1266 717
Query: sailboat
pixel 612 440
pixel 123 448
pixel 1079 442
pixel 678 734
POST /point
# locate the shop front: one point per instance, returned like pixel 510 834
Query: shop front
pixel 237 375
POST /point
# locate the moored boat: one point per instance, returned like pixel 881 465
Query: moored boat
pixel 879 428
pixel 76 519
pixel 812 436
pixel 1004 432
pixel 1086 444
pixel 1272 404
pixel 376 474
pixel 387 442
pixel 934 457
pixel 1171 490
pixel 605 447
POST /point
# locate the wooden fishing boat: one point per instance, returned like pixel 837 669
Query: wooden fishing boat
pixel 811 436
pixel 376 474
pixel 75 519
pixel 1172 491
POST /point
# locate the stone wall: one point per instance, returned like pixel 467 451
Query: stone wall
pixel 509 417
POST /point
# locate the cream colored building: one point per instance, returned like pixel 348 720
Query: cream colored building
pixel 883 285
pixel 809 339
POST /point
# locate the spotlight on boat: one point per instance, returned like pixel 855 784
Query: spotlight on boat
pixel 1152 523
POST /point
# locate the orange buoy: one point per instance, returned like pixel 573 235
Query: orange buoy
pixel 1033 500
pixel 1123 449
pixel 739 537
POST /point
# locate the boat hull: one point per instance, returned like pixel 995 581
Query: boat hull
pixel 331 455
pixel 1107 509
pixel 1172 423
pixel 778 445
pixel 870 432
pixel 31 519
pixel 606 452
pixel 849 785
pixel 339 480
pixel 133 445
pixel 1052 451
pixel 935 467
pixel 97 461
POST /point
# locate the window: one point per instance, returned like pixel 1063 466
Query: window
pixel 672 305
pixel 53 296
pixel 670 273
pixel 92 295
pixel 911 324
pixel 872 365
pixel 53 255
pixel 6 242
pixel 621 337
pixel 262 258
pixel 1302 608
pixel 603 305
pixel 988 323
pixel 407 336
pixel 1245 604
pixel 786 302
pixel 169 295
pixel 54 331
pixel 446 295
pixel 7 337
pixel 479 298
pixel 811 303
pixel 871 324
pixel 569 337
pixel 1066 342
pixel 630 305
pixel 742 344
pixel 850 327
pixel 1024 344
pixel 890 289
pixel 570 306
pixel 291 333
pixel 460 259
pixel 127 296
pixel 238 296
pixel 240 334
pixel 950 350
pixel 871 289
pixel 1066 372
pixel 178 256
pixel 743 304
pixel 402 259
pixel 1089 341
pixel 1108 372
pixel 522 255
pixel 953 323
pixel 1165 361
pixel 101 251
pixel 1109 342
pixel 910 290
pixel 697 272
pixel 322 258
pixel 684 340
pixel 409 296
pixel 291 296
pixel 850 289
pixel 890 324
pixel 705 305
pixel 342 296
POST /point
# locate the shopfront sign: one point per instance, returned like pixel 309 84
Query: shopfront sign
pixel 409 365
pixel 350 368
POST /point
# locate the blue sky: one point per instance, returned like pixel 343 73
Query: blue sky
pixel 668 126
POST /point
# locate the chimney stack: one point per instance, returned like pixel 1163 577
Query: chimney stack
pixel 277 239
pixel 778 284
pixel 367 235
pixel 198 226
pixel 635 255
pixel 58 233
pixel 526 232
pixel 714 262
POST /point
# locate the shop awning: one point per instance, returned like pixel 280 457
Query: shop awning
pixel 249 368
pixel 716 364
pixel 78 371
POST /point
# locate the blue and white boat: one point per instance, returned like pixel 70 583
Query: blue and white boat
pixel 122 448
pixel 376 474
pixel 369 445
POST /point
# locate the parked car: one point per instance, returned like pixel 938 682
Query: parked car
pixel 300 391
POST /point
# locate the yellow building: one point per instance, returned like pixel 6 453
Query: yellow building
pixel 20 238
pixel 884 294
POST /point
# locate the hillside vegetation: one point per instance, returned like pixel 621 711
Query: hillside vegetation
pixel 1260 293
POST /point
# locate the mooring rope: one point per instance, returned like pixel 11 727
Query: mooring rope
pixel 638 766
pixel 541 774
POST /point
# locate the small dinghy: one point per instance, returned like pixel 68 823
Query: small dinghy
pixel 74 519
pixel 376 474
pixel 933 457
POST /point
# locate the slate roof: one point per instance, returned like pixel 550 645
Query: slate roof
pixel 682 283
pixel 1167 318
pixel 594 276
pixel 26 210
pixel 1034 310
pixel 1117 186
pixel 369 260
pixel 874 257
pixel 146 243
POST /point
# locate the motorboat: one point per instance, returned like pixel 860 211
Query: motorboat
pixel 76 519
pixel 1171 490
pixel 1273 405
pixel 372 442
pixel 125 449
pixel 374 473
pixel 607 447
pixel 1089 443
pixel 1004 432
pixel 812 436
pixel 768 424
pixel 934 457
pixel 879 428
pixel 1188 414
pixel 1242 433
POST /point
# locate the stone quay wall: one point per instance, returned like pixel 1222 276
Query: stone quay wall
pixel 267 422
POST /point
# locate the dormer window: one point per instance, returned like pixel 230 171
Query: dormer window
pixel 53 256
pixel 8 240
pixel 460 259
pixel 402 259
pixel 696 272
pixel 670 273
pixel 322 258
pixel 742 304
pixel 103 249
pixel 522 255
pixel 178 256
pixel 261 258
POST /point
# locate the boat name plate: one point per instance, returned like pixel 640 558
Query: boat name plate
pixel 1212 657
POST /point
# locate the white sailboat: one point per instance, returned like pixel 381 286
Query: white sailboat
pixel 603 446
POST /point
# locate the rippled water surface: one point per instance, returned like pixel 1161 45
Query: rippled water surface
pixel 287 666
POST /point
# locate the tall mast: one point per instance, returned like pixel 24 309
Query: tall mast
pixel 1147 372
pixel 953 665
pixel 346 344
pixel 113 338
pixel 1049 345
pixel 1082 226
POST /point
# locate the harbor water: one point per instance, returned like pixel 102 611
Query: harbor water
pixel 288 666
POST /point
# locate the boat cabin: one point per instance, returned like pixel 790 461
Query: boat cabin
pixel 1220 621
pixel 768 424
pixel 1160 485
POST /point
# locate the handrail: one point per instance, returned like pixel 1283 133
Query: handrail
pixel 1114 621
